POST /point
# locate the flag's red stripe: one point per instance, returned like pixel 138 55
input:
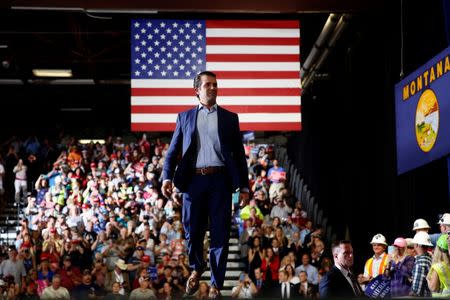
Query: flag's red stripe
pixel 252 24
pixel 253 57
pixel 222 92
pixel 172 109
pixel 257 74
pixel 152 126
pixel 252 41
pixel 288 126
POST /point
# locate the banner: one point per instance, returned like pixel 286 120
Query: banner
pixel 422 104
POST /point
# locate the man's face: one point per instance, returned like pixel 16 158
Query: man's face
pixel 282 276
pixel 207 92
pixel 305 260
pixel 56 282
pixel 378 249
pixel 258 274
pixel 344 256
pixel 116 288
pixel 303 277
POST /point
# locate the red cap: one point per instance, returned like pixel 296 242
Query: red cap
pixel 104 174
pixel 52 230
pixel 145 258
pixel 93 165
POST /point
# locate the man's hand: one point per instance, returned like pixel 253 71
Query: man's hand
pixel 167 188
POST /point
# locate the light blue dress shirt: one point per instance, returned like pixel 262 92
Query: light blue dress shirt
pixel 208 143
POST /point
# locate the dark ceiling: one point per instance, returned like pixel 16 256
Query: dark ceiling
pixel 92 37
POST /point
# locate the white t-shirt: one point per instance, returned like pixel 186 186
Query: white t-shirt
pixel 244 293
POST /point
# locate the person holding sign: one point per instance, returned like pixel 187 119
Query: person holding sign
pixel 277 176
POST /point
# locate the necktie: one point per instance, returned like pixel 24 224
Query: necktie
pixel 284 296
pixel 355 285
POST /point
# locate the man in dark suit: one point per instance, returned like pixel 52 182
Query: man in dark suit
pixel 285 289
pixel 340 282
pixel 212 167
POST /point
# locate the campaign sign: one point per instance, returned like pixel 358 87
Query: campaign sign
pixel 378 287
pixel 152 272
pixel 422 107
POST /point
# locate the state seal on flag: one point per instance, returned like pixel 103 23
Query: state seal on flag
pixel 427 120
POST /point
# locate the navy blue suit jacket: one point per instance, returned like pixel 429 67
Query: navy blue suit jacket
pixel 184 142
pixel 335 285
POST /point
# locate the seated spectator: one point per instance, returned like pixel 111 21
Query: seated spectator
pixel 311 271
pixel 55 290
pixel 305 231
pixel 118 275
pixel 292 278
pixel 115 292
pixel 270 266
pixel 306 288
pixel 245 288
pixel 285 289
pixel 70 275
pixel 277 177
pixel 87 289
pixel 261 286
pixel 256 254
pixel 143 291
pixel 252 213
pixel 295 245
pixel 262 202
pixel 318 253
pixel 203 291
pixel 166 292
pixel 280 210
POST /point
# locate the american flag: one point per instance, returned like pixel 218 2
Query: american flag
pixel 257 63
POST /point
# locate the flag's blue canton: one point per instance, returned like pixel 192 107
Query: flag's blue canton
pixel 167 49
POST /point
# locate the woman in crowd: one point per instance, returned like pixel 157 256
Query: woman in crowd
pixel 439 276
pixel 270 267
pixel 203 291
pixel 400 269
pixel 255 256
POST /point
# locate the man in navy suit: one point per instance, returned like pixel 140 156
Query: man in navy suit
pixel 211 168
pixel 340 282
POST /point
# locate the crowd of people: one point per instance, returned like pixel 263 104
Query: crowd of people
pixel 95 225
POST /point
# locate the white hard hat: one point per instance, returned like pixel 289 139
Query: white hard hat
pixel 421 224
pixel 378 239
pixel 445 219
pixel 422 238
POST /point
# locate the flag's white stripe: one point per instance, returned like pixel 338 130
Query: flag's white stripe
pixel 251 49
pixel 222 83
pixel 253 66
pixel 253 32
pixel 226 100
pixel 246 118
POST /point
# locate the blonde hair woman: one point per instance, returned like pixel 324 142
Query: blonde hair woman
pixel 438 277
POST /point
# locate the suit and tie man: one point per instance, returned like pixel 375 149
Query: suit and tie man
pixel 211 168
pixel 286 289
pixel 340 282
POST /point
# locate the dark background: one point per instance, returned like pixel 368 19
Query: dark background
pixel 346 151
